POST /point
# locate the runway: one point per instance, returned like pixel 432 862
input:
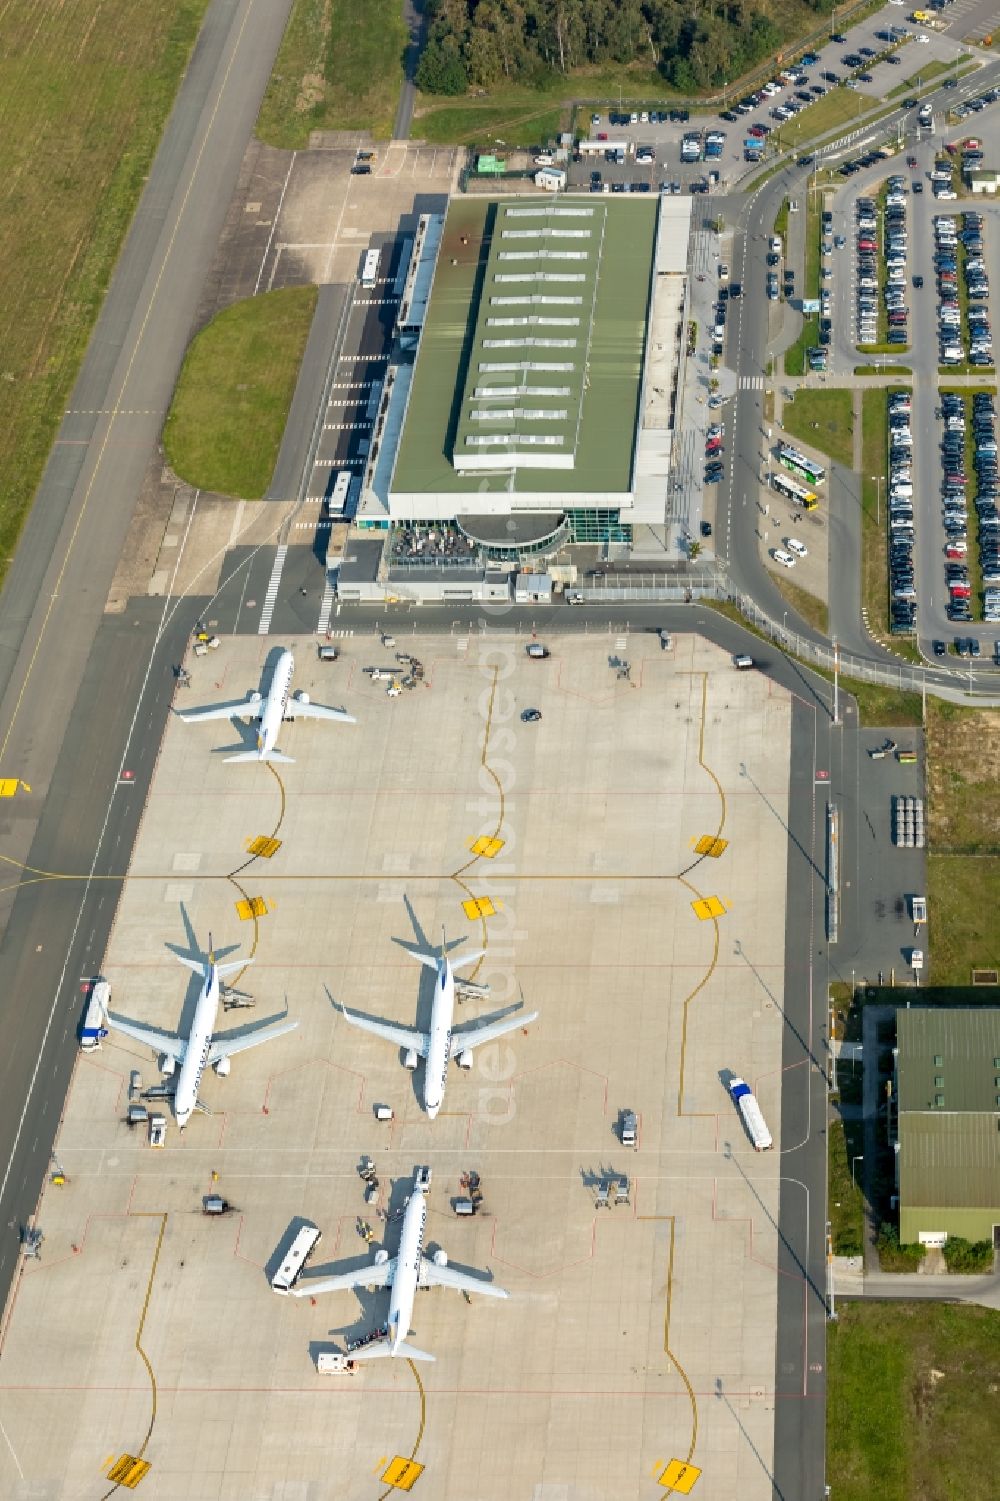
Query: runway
pixel 84 695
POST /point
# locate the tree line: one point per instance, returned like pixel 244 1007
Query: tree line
pixel 695 45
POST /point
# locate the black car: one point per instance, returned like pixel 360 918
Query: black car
pixel 918 282
pixel 706 528
pixel 939 648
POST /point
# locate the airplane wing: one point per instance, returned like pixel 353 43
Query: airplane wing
pixel 433 1275
pixel 403 1037
pixel 375 1274
pixel 243 708
pixel 475 1037
pixel 226 1047
pixel 160 1042
pixel 299 709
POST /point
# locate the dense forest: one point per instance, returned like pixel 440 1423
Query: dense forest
pixel 695 44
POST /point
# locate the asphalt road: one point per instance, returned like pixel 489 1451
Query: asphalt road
pixel 76 704
pixel 417 20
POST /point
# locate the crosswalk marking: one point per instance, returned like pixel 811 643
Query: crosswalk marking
pixel 272 591
pixel 751 383
pixel 326 605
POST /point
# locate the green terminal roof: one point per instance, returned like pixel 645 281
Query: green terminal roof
pixel 594 417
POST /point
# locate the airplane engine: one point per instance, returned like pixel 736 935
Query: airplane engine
pixel 255 696
pixel 440 1258
pixel 410 1059
pixel 381 1257
pixel 222 1067
pixel 167 1065
pixel 464 1058
pixel 302 698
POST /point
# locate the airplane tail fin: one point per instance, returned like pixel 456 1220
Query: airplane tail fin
pixel 383 1349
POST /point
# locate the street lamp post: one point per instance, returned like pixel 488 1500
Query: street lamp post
pixel 878 499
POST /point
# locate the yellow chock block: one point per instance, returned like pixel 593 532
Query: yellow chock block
pixel 486 847
pixel 480 906
pixel 128 1471
pixel 256 906
pixel 709 845
pixel 402 1474
pixel 707 907
pixel 680 1476
pixel 263 846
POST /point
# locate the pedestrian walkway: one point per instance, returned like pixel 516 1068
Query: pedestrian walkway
pixel 326 606
pixel 272 591
pixel 752 383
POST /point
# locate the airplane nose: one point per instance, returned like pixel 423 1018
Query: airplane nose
pixel 432 1110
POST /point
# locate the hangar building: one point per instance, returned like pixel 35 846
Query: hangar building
pixel 948 1123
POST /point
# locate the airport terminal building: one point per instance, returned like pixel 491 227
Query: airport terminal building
pixel 539 409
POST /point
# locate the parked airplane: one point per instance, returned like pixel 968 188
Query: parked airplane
pixel 269 712
pixel 404 1273
pixel 442 1041
pixel 201 1047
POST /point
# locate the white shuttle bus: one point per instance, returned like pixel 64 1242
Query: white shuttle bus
pixel 369 271
pixel 296 1257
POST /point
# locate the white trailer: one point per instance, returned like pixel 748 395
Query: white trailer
pixel 753 1119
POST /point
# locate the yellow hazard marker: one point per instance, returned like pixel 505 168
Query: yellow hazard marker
pixel 128 1471
pixel 486 847
pixel 263 846
pixel 680 1477
pixel 256 906
pixel 707 907
pixel 402 1474
pixel 709 845
pixel 8 786
pixel 480 906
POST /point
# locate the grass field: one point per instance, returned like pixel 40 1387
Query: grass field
pixel 823 420
pixel 812 610
pixel 911 1408
pixel 525 122
pixel 963 836
pixel 923 75
pixel 874 547
pixel 845 1143
pixel 231 403
pixel 82 106
pixel 340 67
pixel 837 107
pixel 961 891
pixel 963 779
pixel 883 370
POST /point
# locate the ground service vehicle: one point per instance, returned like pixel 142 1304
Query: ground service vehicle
pixel 753 1118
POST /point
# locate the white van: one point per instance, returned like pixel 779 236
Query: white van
pixel 93 1028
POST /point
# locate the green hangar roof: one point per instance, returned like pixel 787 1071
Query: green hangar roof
pixel 949 1059
pixel 529 373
